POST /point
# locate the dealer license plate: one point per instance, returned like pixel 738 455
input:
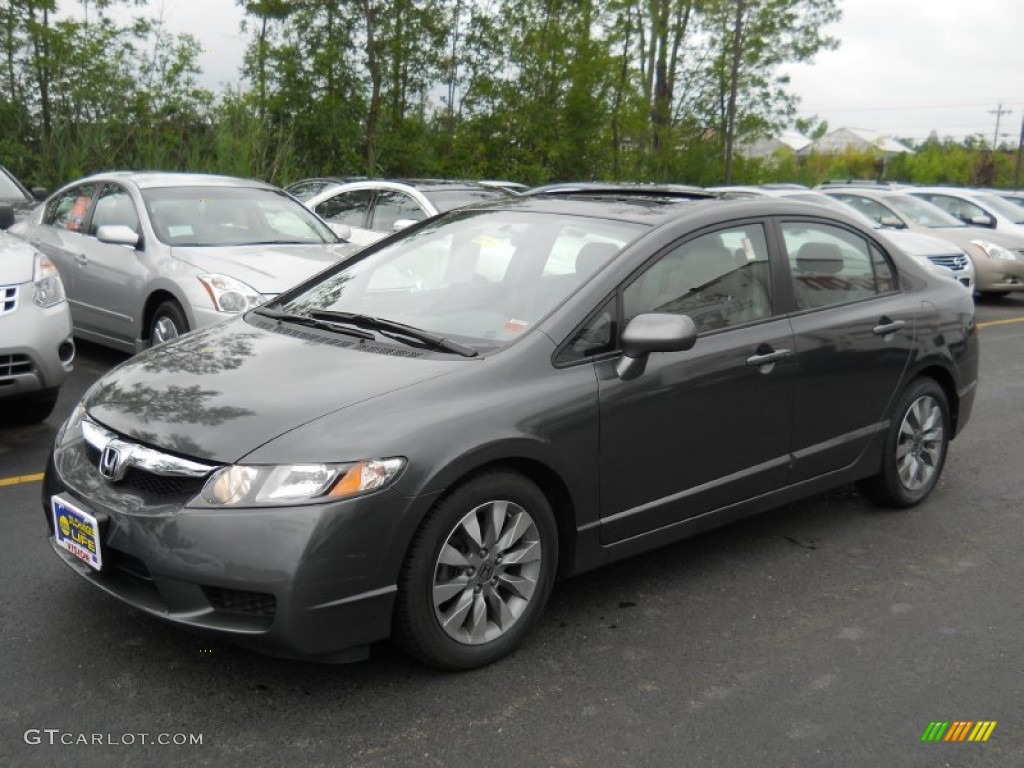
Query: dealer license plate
pixel 77 531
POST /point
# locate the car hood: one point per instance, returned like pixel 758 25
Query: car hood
pixel 270 269
pixel 16 260
pixel 920 244
pixel 220 393
pixel 964 235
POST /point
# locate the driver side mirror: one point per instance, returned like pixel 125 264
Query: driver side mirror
pixel 39 193
pixel 653 332
pixel 118 234
pixel 344 231
pixel 983 220
pixel 891 222
pixel 6 216
pixel 402 224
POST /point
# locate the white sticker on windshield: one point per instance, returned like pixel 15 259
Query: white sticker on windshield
pixel 180 230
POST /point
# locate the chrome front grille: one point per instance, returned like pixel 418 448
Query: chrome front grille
pixel 139 468
pixel 8 299
pixel 14 365
pixel 955 262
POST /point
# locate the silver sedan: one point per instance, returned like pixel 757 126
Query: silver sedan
pixel 146 257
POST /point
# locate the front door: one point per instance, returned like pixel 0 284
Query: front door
pixel 709 427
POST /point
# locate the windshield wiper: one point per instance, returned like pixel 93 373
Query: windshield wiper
pixel 389 327
pixel 322 324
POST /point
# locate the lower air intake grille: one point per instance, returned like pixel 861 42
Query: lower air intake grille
pixel 241 603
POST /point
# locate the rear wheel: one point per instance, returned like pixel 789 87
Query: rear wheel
pixel 478 573
pixel 169 322
pixel 915 447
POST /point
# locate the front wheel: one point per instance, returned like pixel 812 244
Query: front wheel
pixel 915 448
pixel 169 322
pixel 478 573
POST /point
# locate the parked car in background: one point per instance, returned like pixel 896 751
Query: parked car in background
pixel 373 208
pixel 976 208
pixel 563 381
pixel 146 257
pixel 303 189
pixel 943 254
pixel 1015 196
pixel 36 347
pixel 998 257
pixel 16 195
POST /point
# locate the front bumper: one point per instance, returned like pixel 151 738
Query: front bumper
pixel 315 581
pixel 36 348
pixel 996 275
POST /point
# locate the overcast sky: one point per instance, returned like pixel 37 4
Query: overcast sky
pixel 903 67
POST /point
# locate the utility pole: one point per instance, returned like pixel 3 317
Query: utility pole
pixel 998 112
pixel 1020 149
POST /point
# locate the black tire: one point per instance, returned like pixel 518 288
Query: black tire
pixel 418 627
pixel 21 412
pixel 167 315
pixel 916 447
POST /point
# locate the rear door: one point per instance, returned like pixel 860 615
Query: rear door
pixel 705 428
pixel 854 332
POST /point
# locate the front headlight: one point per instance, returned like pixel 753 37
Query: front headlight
pixel 994 251
pixel 242 485
pixel 49 288
pixel 230 295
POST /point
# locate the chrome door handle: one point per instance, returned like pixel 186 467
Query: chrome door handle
pixel 886 326
pixel 769 358
pixel 82 259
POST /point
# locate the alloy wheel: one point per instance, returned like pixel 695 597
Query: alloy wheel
pixel 486 572
pixel 920 443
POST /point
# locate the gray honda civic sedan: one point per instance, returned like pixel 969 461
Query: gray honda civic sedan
pixel 419 442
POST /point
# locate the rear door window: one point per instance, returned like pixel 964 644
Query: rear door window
pixel 830 265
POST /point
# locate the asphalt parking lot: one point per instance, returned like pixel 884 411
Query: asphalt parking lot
pixel 826 633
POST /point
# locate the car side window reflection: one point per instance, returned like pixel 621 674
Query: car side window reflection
pixel 69 209
pixel 114 207
pixel 393 206
pixel 346 207
pixel 721 279
pixel 830 265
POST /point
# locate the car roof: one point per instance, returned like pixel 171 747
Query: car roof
pixel 623 190
pixel 158 179
pixel 658 211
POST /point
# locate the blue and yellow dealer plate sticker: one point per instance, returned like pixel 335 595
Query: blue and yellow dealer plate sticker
pixel 77 531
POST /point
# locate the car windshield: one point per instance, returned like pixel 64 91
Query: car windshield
pixel 1004 207
pixel 922 212
pixel 481 278
pixel 450 199
pixel 9 190
pixel 225 216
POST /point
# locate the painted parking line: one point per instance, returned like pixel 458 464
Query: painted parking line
pixel 990 323
pixel 18 480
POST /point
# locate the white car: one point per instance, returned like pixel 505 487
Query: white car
pixel 976 208
pixel 36 348
pixel 365 211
